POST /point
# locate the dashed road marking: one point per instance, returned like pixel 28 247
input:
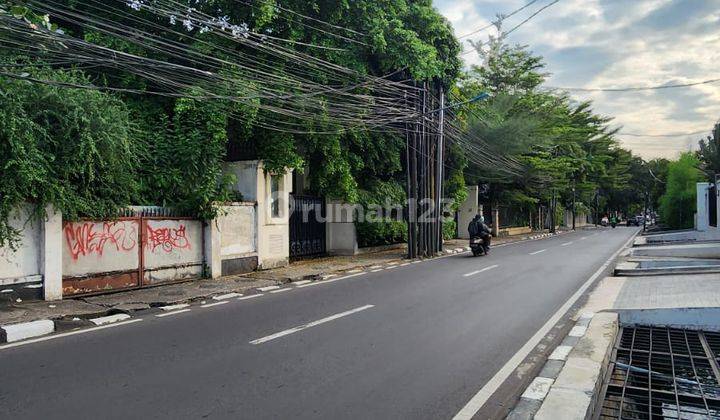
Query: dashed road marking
pixel 566 243
pixel 251 296
pixel 375 271
pixel 309 325
pixel 472 273
pixel 281 290
pixel 268 288
pixel 537 252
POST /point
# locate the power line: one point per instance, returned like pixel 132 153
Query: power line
pixel 514 28
pixel 499 19
pixel 636 88
pixel 694 133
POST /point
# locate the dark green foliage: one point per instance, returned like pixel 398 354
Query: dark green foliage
pixel 677 205
pixel 67 147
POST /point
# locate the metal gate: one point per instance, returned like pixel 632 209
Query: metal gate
pixel 712 205
pixel 144 247
pixel 307 227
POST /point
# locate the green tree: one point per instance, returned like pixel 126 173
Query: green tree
pixel 677 205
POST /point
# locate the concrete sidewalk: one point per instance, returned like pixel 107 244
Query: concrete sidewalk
pixel 675 295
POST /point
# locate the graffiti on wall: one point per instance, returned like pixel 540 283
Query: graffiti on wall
pixel 94 238
pixel 89 238
pixel 167 239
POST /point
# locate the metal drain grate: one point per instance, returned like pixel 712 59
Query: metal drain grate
pixel 663 373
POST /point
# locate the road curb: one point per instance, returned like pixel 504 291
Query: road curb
pixel 24 330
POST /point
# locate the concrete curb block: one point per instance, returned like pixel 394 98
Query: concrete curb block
pixel 109 319
pixel 574 393
pixel 569 381
pixel 25 330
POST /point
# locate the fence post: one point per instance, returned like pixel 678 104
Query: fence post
pixel 52 254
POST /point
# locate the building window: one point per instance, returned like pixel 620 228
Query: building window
pixel 275 195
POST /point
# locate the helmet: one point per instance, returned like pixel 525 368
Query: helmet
pixel 482 219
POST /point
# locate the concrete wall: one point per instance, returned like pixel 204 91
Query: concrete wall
pixel 273 233
pixel 23 264
pixel 467 210
pixel 580 219
pixel 34 269
pixel 173 250
pixel 340 231
pixel 237 225
pixel 702 217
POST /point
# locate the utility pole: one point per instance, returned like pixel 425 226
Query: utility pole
pixel 439 171
pixel 573 204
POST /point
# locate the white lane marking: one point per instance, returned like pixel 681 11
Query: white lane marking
pixel 210 305
pixel 325 276
pixel 417 262
pixel 391 267
pixel 174 307
pixel 301 282
pixel 375 271
pixel 472 273
pixel 227 296
pixel 110 319
pixel 54 336
pixel 251 296
pixel 172 313
pixel 583 238
pixel 537 252
pixel 404 264
pixel 281 290
pixel 310 324
pixel 268 288
pixel 481 397
pixel 566 243
pixel 315 283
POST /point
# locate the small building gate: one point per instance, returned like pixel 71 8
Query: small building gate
pixel 307 227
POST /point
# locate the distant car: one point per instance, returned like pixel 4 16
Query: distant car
pixel 635 221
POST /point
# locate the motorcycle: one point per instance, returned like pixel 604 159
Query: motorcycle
pixel 477 246
pixel 613 224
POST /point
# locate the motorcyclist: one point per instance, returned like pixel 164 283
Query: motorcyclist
pixel 478 229
pixel 613 220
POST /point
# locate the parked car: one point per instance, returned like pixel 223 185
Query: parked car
pixel 635 221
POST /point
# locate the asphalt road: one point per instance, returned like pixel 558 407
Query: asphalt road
pixel 411 342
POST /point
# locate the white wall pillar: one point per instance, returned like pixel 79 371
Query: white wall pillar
pixel 701 216
pixel 467 211
pixel 340 232
pixel 212 242
pixel 52 254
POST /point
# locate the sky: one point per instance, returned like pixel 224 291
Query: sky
pixel 619 43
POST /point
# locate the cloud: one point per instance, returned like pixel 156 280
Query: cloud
pixel 615 43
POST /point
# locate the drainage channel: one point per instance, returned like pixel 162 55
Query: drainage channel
pixel 662 373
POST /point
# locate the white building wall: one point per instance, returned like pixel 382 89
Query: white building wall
pixel 24 264
pixel 702 218
pixel 467 211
